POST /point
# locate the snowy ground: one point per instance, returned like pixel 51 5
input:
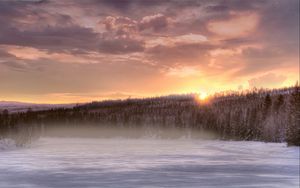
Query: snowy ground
pixel 67 162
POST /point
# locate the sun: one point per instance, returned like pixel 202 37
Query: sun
pixel 202 96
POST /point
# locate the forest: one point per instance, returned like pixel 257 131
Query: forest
pixel 254 115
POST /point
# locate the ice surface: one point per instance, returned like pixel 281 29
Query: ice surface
pixel 70 162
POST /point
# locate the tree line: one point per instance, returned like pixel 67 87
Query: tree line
pixel 259 114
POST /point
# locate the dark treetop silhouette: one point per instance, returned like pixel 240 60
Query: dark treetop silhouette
pixel 262 115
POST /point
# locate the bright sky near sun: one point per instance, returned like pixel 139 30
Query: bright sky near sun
pixel 77 51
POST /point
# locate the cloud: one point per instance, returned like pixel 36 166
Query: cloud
pixel 119 45
pixel 125 26
pixel 269 80
pixel 182 71
pixel 42 29
pixel 34 54
pixel 264 59
pixel 240 25
pixel 70 39
pixel 234 5
pixel 155 22
pixel 188 54
pixel 122 5
pixel 51 38
pixel 4 54
pixel 136 7
pixel 120 25
pixel 176 40
pixel 18 66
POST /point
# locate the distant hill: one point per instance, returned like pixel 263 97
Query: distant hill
pixel 14 106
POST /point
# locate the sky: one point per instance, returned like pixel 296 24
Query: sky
pixel 69 51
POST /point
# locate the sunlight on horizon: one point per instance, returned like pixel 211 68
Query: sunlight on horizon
pixel 202 96
pixel 136 50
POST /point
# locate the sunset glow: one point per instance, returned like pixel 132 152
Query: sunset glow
pixel 202 96
pixel 149 93
pixel 70 51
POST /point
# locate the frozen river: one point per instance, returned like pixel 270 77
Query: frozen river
pixel 149 163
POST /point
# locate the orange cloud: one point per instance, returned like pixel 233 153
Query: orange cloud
pixel 240 25
pixel 28 53
pixel 70 52
pixel 183 71
pixel 174 40
pixel 267 80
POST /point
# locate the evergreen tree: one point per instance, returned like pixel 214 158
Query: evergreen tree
pixel 279 103
pixel 266 105
pixel 293 130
